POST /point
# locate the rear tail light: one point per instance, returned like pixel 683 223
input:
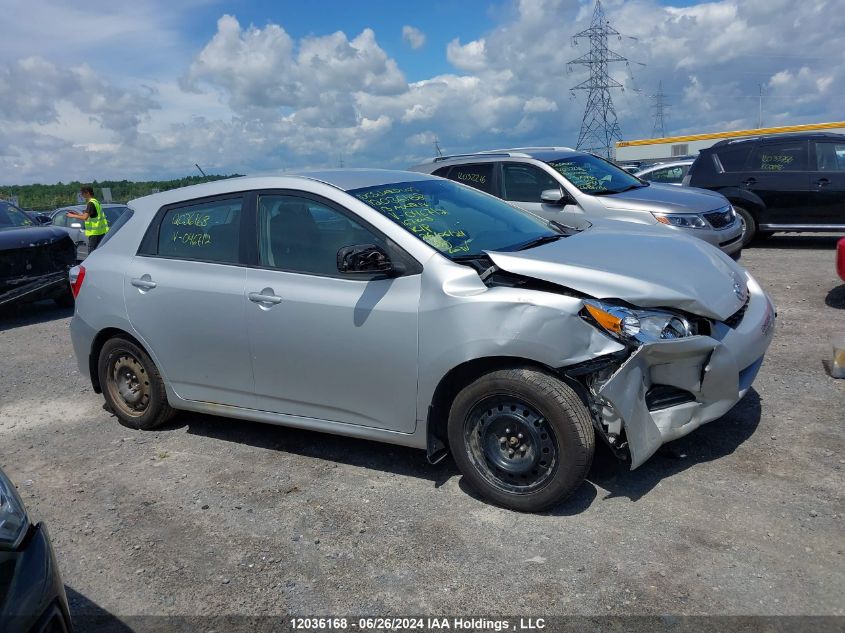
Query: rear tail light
pixel 77 276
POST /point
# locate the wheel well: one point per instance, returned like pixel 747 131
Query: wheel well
pixel 451 384
pixel 97 345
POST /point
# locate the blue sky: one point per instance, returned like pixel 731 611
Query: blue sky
pixel 95 89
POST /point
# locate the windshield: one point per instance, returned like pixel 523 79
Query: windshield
pixel 594 175
pixel 11 216
pixel 456 220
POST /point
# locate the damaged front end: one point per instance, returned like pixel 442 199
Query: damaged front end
pixel 671 381
pixel 34 264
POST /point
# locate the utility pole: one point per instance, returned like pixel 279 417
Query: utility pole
pixel 599 125
pixel 437 147
pixel 659 99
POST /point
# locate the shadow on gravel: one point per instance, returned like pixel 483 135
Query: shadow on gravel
pixel 836 298
pixel 709 442
pixel 792 241
pixel 399 460
pixel 31 313
pixel 89 616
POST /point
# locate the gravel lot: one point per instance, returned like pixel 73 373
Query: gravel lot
pixel 208 515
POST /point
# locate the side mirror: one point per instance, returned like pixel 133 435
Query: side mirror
pixel 366 258
pixel 43 218
pixel 553 196
pixel 76 225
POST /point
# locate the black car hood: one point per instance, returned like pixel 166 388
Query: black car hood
pixel 29 236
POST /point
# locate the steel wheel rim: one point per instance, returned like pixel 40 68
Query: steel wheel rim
pixel 511 444
pixel 129 385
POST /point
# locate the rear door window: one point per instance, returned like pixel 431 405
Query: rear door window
pixel 207 231
pixel 478 175
pixel 731 159
pixel 779 157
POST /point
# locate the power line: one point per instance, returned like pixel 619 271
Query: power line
pixel 599 125
pixel 660 105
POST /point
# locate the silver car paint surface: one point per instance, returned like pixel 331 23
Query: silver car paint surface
pixel 636 205
pixel 364 358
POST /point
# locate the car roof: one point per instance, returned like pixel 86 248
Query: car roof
pixel 538 153
pixel 672 163
pixel 773 138
pixel 343 179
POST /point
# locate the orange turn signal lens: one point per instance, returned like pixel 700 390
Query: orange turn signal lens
pixel 605 319
pixel 662 219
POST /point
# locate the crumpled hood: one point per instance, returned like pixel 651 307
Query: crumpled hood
pixel 645 268
pixel 660 197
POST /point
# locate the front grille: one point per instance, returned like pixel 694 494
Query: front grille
pixel 20 265
pixel 735 319
pixel 719 219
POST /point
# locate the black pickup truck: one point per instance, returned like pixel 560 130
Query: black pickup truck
pixel 34 259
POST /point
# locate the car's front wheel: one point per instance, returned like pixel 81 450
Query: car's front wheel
pixel 522 438
pixel 132 386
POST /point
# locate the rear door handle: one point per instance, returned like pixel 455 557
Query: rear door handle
pixel 265 296
pixel 821 182
pixel 145 283
pixel 749 181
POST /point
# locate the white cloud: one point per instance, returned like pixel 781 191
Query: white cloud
pixel 254 99
pixel 413 36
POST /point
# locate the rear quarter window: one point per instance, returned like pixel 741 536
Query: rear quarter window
pixel 479 176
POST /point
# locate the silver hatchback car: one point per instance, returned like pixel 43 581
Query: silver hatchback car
pixel 410 309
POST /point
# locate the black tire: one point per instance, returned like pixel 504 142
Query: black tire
pixel 65 299
pixel 132 386
pixel 488 417
pixel 749 224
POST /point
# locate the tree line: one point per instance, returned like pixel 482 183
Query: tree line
pixel 44 197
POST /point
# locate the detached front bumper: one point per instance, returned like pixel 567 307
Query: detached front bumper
pixel 704 377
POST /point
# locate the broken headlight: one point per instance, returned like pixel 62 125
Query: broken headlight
pixel 13 520
pixel 630 325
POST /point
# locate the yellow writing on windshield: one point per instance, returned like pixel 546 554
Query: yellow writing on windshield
pixel 579 176
pixel 410 208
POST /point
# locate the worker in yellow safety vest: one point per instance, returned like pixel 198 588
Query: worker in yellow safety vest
pixel 96 224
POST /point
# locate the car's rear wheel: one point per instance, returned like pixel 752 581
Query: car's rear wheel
pixel 132 385
pixel 749 224
pixel 522 438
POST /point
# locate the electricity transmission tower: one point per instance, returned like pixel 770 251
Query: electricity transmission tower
pixel 599 126
pixel 437 147
pixel 660 105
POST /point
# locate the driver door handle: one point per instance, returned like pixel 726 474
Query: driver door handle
pixel 145 284
pixel 749 181
pixel 260 297
pixel 822 182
